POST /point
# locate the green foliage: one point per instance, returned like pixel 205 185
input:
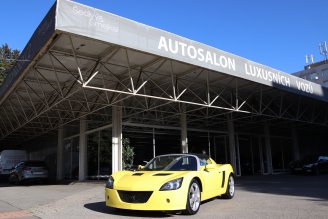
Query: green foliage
pixel 127 153
pixel 7 60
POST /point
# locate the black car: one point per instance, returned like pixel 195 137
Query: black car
pixel 314 164
pixel 31 170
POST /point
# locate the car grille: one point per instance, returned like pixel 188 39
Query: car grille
pixel 134 197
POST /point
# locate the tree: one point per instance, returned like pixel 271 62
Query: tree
pixel 7 60
pixel 128 153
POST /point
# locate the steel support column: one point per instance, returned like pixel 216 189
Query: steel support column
pixel 238 170
pixel 261 154
pixel 116 138
pixel 232 145
pixel 296 150
pixel 82 150
pixel 154 144
pixel 268 155
pixel 183 124
pixel 60 151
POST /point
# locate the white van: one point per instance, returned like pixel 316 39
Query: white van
pixel 9 158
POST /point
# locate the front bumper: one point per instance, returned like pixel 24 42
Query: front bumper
pixel 158 201
pixel 28 175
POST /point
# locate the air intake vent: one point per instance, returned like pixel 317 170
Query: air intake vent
pixel 162 174
pixel 137 174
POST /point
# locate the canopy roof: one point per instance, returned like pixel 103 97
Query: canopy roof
pixel 83 60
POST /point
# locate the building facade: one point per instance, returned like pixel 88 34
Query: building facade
pixel 316 72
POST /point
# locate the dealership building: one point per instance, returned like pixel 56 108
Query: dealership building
pixel 93 79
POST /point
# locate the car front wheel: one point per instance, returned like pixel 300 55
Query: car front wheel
pixel 193 198
pixel 13 179
pixel 230 192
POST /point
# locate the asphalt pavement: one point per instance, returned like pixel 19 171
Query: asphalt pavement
pixel 272 196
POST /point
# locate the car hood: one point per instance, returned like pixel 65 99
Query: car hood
pixel 144 180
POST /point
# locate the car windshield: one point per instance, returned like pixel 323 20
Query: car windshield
pixel 172 163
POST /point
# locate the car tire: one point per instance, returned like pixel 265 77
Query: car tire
pixel 316 171
pixel 230 192
pixel 10 179
pixel 193 198
pixel 16 180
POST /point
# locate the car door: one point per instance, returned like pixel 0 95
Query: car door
pixel 19 170
pixel 212 180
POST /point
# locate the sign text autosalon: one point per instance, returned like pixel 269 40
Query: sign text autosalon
pixel 176 47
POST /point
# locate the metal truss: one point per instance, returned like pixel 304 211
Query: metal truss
pixel 79 77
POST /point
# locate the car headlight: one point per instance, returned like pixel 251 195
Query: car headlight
pixel 110 183
pixel 308 166
pixel 172 185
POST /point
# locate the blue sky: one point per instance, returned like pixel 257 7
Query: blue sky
pixel 276 33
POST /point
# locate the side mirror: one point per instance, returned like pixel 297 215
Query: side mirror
pixel 132 168
pixel 140 167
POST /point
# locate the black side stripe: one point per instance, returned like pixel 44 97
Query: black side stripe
pixel 223 179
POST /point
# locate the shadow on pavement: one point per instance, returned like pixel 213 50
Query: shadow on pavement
pixel 310 186
pixel 102 208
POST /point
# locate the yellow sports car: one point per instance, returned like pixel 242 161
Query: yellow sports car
pixel 169 183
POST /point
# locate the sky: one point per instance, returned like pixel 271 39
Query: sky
pixel 276 33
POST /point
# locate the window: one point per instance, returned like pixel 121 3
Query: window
pixel 324 73
pixel 314 76
pixel 325 83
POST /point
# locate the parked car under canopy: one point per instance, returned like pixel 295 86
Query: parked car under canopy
pixel 31 170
